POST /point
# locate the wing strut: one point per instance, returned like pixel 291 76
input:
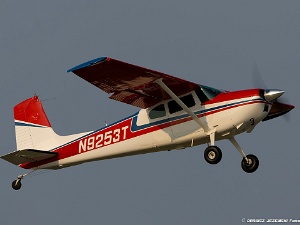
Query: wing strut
pixel 206 129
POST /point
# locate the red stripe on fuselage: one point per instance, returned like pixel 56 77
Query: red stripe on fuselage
pixel 234 95
pixel 90 141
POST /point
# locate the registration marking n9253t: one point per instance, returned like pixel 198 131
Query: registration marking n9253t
pixel 102 139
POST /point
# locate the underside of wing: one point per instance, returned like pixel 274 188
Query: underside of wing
pixel 278 109
pixel 130 84
pixel 27 155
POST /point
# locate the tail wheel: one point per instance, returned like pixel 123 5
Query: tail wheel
pixel 250 163
pixel 213 154
pixel 16 184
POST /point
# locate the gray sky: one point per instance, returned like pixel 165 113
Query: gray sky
pixel 209 42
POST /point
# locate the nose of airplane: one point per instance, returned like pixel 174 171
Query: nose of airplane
pixel 272 94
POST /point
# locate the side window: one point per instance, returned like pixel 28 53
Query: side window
pixel 157 112
pixel 188 100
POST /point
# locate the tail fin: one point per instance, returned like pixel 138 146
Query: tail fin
pixel 33 129
pixel 34 135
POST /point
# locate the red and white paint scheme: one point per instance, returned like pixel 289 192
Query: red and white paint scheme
pixel 175 114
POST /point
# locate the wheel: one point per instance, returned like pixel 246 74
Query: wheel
pixel 251 165
pixel 16 184
pixel 212 154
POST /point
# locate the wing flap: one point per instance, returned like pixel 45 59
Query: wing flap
pixel 27 155
pixel 129 83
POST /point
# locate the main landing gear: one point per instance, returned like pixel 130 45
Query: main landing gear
pixel 213 155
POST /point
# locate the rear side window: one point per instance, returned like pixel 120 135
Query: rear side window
pixel 157 112
pixel 188 100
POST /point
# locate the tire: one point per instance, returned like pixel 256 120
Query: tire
pixel 16 184
pixel 212 154
pixel 252 165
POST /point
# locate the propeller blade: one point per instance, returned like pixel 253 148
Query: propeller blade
pixel 258 81
pixel 284 100
pixel 281 105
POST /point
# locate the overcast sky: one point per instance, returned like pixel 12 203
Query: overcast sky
pixel 209 42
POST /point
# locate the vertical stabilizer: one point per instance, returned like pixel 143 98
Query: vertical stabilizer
pixel 33 129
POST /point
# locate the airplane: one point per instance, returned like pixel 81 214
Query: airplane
pixel 174 114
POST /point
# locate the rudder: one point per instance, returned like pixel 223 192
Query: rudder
pixel 33 129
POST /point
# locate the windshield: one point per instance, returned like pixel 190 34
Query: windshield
pixel 210 92
pixel 206 93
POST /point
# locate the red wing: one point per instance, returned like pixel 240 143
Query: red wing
pixel 130 84
pixel 278 109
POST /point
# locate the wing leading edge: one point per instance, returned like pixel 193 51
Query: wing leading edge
pixel 129 83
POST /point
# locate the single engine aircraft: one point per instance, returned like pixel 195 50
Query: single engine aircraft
pixel 174 114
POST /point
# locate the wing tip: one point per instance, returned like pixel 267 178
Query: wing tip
pixel 89 63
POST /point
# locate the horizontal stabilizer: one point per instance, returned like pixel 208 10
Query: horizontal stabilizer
pixel 28 155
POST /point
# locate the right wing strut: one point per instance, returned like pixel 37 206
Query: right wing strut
pixel 206 129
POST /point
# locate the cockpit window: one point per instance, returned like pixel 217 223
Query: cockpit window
pixel 188 100
pixel 157 112
pixel 206 93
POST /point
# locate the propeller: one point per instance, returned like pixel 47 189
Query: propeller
pixel 271 95
pixel 258 81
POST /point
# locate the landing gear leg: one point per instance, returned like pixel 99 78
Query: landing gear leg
pixel 238 147
pixel 212 153
pixel 249 163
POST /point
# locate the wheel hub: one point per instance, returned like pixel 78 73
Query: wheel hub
pixel 249 162
pixel 211 155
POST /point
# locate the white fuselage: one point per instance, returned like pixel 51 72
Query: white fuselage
pixel 139 134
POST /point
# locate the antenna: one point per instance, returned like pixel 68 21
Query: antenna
pixel 47 99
